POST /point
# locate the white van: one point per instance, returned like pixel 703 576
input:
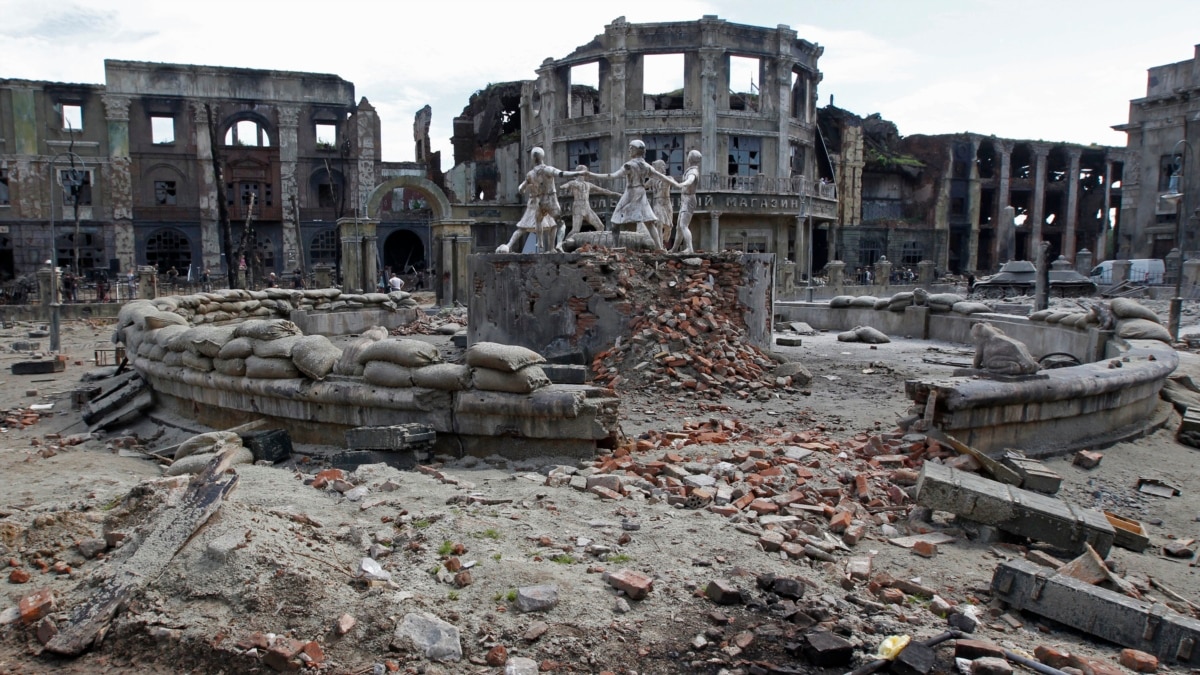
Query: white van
pixel 1148 271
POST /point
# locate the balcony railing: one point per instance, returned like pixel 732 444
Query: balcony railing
pixel 793 185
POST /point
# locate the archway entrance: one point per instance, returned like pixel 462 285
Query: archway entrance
pixel 167 248
pixel 404 252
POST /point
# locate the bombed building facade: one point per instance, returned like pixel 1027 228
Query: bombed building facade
pixel 944 197
pixel 296 151
pixel 761 173
pixel 1162 139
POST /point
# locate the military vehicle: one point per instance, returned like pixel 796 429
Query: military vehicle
pixel 1019 277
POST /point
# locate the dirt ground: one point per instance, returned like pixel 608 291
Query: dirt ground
pixel 293 569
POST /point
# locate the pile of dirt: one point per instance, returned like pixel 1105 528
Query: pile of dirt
pixel 688 334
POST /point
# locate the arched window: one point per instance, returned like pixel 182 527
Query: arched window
pixel 323 247
pixel 167 248
pixel 247 132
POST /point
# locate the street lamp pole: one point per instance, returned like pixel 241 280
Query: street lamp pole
pixel 1177 195
pixel 55 298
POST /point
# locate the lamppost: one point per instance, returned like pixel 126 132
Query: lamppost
pixel 55 299
pixel 1176 195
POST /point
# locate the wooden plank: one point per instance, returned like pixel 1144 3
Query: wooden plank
pixel 146 559
pixel 128 412
pixel 995 468
pixel 113 399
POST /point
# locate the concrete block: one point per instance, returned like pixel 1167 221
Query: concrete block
pixel 1034 475
pixel 271 445
pixel 563 373
pixel 38 367
pixel 826 650
pixel 395 437
pixel 1098 611
pixel 1014 510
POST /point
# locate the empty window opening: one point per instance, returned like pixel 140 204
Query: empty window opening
pixel 1057 165
pixel 911 253
pixel 1021 162
pixel 72 117
pixel 1020 220
pixel 585 90
pixel 1168 165
pixel 327 196
pixel 585 152
pixel 663 81
pixel 261 192
pixel 985 160
pixel 668 148
pixel 77 186
pixel 796 158
pixel 162 130
pixel 323 247
pixel 869 250
pixel 801 95
pixel 744 83
pixel 326 136
pixel 4 187
pixel 164 192
pixel 958 206
pixel 247 133
pixel 745 153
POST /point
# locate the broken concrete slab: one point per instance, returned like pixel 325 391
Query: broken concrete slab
pixel 1098 611
pixel 1014 510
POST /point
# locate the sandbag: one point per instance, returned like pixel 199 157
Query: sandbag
pixel 267 329
pixel 864 301
pixel 179 342
pixel 161 319
pixel 270 369
pixel 157 352
pixel 315 356
pixel 196 463
pixel 444 376
pixel 385 374
pixel 1142 329
pixel 375 298
pixel 173 359
pixel 206 443
pixel 969 307
pixel 163 335
pixel 524 381
pixel 280 348
pixel 208 340
pixel 348 363
pixel 882 303
pixel 848 336
pixel 231 367
pixel 1128 308
pixel 505 358
pixel 840 301
pixel 197 362
pixel 871 335
pixel 1040 315
pixel 375 334
pixel 408 353
pixel 237 348
pixel 1057 316
pixel 145 348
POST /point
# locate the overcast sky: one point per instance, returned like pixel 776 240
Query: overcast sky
pixel 1059 71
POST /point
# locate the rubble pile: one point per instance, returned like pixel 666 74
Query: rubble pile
pixel 446 322
pixel 19 418
pixel 686 336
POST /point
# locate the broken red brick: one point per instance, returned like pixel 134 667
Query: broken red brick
pixel 36 605
pixel 840 521
pixel 891 596
pixel 634 584
pixel 497 656
pixel 1087 459
pixel 18 576
pixel 313 651
pixel 925 549
pixel 325 477
pixel 1139 661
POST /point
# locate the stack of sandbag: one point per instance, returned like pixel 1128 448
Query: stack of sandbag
pixel 940 302
pixel 839 301
pixel 969 307
pixel 1135 321
pixel 1067 317
pixel 196 452
pixel 864 301
pixel 898 302
pixel 864 334
pixel 349 364
pixel 271 343
pixel 507 368
pixel 392 362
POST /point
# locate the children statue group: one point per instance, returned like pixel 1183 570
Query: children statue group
pixel 646 201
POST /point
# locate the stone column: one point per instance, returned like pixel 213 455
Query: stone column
pixel 974 194
pixel 802 271
pixel 1120 271
pixel 452 243
pixel 781 70
pixel 1004 210
pixel 1102 242
pixel 47 277
pixel 1006 236
pixel 147 282
pixel 1173 262
pixel 366 143
pixel 350 233
pixel 206 190
pixel 925 270
pixel 714 232
pixel 120 180
pixel 1038 212
pixel 617 105
pixel 323 274
pixel 370 255
pixel 837 277
pixel 1072 224
pixel 883 272
pixel 1191 276
pixel 289 189
pixel 1083 261
pixel 711 59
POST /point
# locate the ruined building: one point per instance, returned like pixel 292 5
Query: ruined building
pixel 743 96
pixel 943 197
pixel 296 143
pixel 1158 122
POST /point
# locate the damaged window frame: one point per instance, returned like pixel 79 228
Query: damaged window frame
pixel 160 125
pixel 585 151
pixel 745 156
pixel 5 197
pixel 746 101
pixel 261 136
pixel 70 190
pixel 165 193
pixel 665 63
pixel 70 116
pixel 325 136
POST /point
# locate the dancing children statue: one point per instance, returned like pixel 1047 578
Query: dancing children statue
pixel 581 208
pixel 687 200
pixel 541 210
pixel 633 207
pixel 660 200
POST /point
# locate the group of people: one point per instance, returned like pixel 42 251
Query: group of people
pixel 865 276
pixel 646 201
pixel 390 281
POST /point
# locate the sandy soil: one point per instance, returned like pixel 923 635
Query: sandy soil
pixel 294 568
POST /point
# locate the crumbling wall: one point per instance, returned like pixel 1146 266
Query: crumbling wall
pixel 571 306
